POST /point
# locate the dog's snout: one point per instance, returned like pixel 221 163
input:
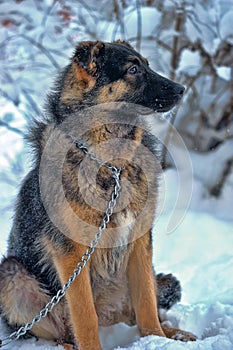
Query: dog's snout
pixel 173 88
pixel 168 94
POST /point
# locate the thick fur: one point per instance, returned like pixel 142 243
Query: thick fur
pixel 118 284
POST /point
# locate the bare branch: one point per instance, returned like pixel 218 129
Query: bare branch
pixel 139 25
pixel 217 189
pixel 11 128
pixel 8 97
pixel 33 104
pixel 179 24
pixel 42 49
pixel 151 38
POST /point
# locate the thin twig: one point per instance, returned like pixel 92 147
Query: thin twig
pixel 11 128
pixel 42 49
pixel 8 97
pixel 33 104
pixel 217 189
pixel 152 38
pixel 175 50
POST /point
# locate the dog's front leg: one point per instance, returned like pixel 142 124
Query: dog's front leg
pixel 83 315
pixel 142 289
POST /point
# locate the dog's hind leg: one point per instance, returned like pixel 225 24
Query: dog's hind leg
pixel 22 298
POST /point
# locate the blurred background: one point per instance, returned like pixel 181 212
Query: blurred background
pixel 188 41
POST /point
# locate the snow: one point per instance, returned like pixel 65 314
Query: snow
pixel 224 72
pixel 226 26
pixel 206 260
pixel 190 62
pixel 150 19
pixel 205 31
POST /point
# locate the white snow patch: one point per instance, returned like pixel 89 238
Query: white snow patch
pixel 190 62
pixel 224 72
pixel 225 26
pixel 150 19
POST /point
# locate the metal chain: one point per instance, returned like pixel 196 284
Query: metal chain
pixel 86 256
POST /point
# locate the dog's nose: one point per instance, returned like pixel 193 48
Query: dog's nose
pixel 180 89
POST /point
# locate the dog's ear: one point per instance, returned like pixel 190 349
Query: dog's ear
pixel 123 42
pixel 90 55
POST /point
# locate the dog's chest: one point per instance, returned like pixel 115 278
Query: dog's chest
pixel 109 282
pixel 110 262
pixel 109 267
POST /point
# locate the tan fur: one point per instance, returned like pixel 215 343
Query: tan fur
pixel 86 81
pixel 142 291
pixel 118 89
pixel 78 81
pixel 80 300
pixel 71 88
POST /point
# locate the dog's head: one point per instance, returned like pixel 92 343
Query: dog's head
pixel 110 72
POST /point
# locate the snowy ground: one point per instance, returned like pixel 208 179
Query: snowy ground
pixel 199 253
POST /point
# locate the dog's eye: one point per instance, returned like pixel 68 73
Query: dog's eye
pixel 133 70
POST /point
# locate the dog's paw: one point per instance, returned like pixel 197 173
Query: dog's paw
pixel 178 334
pixel 67 346
pixel 184 336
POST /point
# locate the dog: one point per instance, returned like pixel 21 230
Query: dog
pixel 118 284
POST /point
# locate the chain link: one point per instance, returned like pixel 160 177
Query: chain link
pixel 86 256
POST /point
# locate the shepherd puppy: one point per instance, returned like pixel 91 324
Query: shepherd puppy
pixel 52 228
